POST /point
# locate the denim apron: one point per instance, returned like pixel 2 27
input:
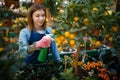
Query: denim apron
pixel 35 36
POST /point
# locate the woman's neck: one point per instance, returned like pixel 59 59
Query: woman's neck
pixel 39 28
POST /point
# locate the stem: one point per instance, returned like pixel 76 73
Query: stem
pixel 76 61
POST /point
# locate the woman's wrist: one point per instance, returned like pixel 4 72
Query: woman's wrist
pixel 31 48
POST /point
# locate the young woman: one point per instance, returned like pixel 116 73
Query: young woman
pixel 33 37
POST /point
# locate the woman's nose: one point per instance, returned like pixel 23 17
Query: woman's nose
pixel 41 17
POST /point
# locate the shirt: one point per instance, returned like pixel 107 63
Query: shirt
pixel 24 37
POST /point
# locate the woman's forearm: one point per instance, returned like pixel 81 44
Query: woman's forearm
pixel 31 48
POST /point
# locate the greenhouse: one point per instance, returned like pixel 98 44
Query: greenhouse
pixel 60 39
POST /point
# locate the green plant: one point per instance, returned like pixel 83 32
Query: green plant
pixel 9 63
pixel 69 74
pixel 51 5
pixel 9 14
pixel 44 71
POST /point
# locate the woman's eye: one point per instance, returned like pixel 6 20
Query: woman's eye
pixel 43 15
pixel 37 16
pixel 40 15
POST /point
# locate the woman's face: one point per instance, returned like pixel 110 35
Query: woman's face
pixel 38 18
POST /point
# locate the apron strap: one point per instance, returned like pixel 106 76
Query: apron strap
pixel 29 41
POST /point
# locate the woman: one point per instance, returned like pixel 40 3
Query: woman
pixel 32 38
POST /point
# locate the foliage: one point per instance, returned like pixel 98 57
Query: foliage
pixel 2 41
pixel 19 23
pixel 94 68
pixel 9 14
pixel 9 63
pixel 90 21
pixel 44 71
pixel 117 39
pixel 26 4
pixel 12 67
pixel 51 4
pixel 83 17
pixel 69 74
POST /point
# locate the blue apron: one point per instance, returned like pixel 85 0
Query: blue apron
pixel 35 36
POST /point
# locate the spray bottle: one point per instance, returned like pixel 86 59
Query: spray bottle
pixel 43 52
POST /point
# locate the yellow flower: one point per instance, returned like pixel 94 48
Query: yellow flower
pixel 85 21
pixel 80 63
pixel 95 9
pixel 108 12
pixel 60 48
pixel 26 19
pixel 17 19
pixel 97 43
pixel 14 26
pixel 114 28
pixel 76 19
pixel 110 39
pixel 106 35
pixel 53 31
pixel 1 24
pixel 1 49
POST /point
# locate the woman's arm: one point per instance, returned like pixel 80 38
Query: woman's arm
pixel 24 47
pixel 54 51
pixel 53 47
pixel 23 43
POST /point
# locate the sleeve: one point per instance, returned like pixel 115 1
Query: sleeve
pixel 49 29
pixel 23 43
pixel 53 48
pixel 54 51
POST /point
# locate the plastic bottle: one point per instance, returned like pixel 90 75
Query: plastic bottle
pixel 42 55
pixel 43 52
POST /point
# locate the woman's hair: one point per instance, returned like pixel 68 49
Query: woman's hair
pixel 32 9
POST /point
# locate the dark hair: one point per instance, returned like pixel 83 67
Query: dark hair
pixel 32 9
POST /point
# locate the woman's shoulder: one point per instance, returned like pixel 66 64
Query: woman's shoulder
pixel 49 29
pixel 26 30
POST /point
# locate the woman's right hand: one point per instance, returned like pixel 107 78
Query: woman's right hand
pixel 44 42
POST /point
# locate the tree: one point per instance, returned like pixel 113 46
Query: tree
pixel 84 18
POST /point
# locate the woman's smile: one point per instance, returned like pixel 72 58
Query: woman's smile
pixel 38 18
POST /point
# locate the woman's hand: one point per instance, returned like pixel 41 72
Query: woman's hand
pixel 44 42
